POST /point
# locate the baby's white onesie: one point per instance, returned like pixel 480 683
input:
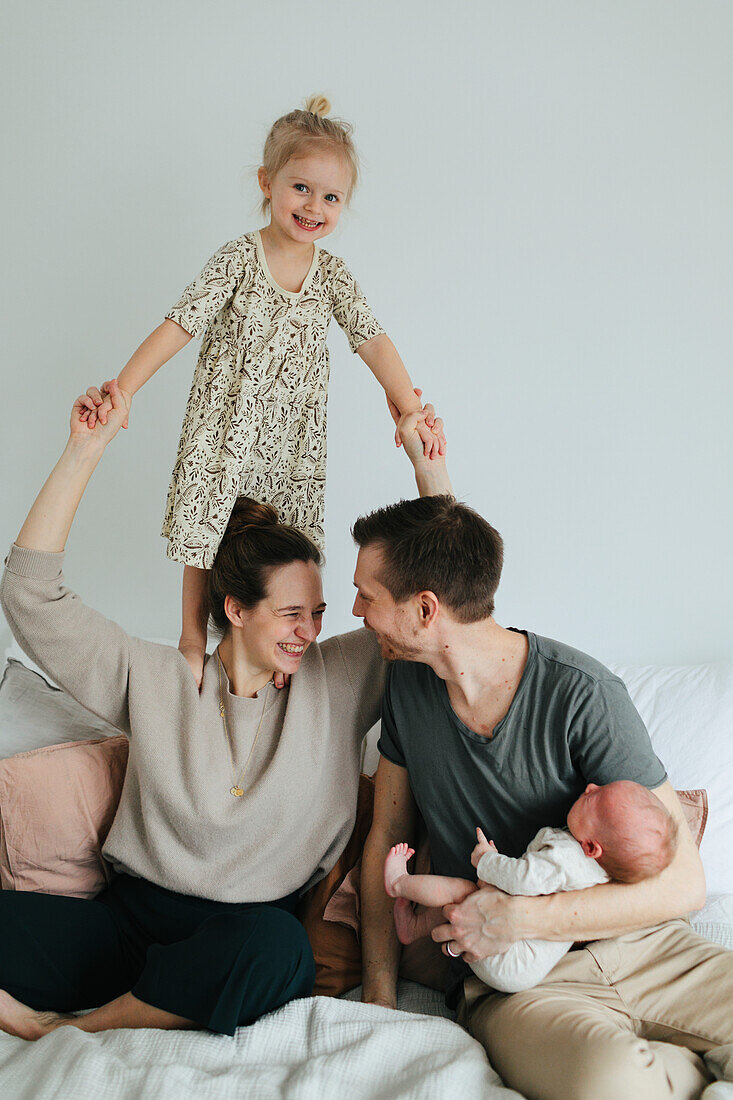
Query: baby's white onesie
pixel 554 861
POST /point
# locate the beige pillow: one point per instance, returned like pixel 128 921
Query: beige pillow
pixel 56 807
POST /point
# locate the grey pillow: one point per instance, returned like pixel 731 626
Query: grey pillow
pixel 34 714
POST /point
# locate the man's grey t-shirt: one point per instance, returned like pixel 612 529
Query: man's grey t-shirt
pixel 571 722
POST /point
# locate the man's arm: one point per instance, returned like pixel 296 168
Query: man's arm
pixel 393 821
pixel 431 474
pixel 488 922
pixel 394 807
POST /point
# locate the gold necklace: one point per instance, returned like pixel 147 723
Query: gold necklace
pixel 237 789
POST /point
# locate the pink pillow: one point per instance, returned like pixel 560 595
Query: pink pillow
pixel 56 808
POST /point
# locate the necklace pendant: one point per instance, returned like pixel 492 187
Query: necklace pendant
pixel 236 791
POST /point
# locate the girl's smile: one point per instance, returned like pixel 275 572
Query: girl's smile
pixel 308 225
pixel 306 197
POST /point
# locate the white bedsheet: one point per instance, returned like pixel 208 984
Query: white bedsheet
pixel 313 1049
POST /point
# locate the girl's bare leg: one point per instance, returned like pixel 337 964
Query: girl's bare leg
pixel 125 1011
pixel 195 618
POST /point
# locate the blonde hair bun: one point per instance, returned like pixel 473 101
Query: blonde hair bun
pixel 317 105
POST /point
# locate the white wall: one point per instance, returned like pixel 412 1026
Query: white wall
pixel 545 228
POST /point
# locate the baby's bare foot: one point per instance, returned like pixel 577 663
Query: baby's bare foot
pixel 24 1022
pixel 395 867
pixel 405 921
pixel 415 922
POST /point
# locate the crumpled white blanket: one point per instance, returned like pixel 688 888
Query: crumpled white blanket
pixel 317 1048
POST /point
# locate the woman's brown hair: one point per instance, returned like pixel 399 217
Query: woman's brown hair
pixel 254 543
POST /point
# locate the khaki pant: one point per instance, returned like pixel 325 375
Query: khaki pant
pixel 621 1019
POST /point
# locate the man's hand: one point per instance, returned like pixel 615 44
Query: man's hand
pixel 431 474
pixel 486 923
pixel 482 847
pixel 430 430
pixel 99 404
pixel 412 427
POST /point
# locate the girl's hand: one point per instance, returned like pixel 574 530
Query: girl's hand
pixel 100 405
pixel 481 848
pixel 101 431
pixel 395 413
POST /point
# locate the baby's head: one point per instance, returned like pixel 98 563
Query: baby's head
pixel 625 828
pixel 309 170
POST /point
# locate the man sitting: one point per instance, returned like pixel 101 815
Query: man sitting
pixel 483 724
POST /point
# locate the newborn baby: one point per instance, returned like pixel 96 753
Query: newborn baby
pixel 620 831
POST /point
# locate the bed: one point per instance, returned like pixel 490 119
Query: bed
pixel 323 1047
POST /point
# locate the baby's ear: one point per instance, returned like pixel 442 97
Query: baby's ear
pixel 592 848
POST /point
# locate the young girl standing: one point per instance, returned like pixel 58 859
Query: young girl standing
pixel 255 423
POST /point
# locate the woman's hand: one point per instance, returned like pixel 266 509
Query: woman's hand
pixel 89 422
pixel 49 521
pixel 98 404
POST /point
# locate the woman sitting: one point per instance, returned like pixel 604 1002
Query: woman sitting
pixel 236 799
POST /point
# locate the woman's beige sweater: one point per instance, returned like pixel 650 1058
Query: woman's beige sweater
pixel 177 824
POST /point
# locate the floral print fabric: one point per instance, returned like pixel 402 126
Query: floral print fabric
pixel 255 422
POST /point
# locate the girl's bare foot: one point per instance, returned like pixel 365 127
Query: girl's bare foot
pixel 26 1023
pixel 395 867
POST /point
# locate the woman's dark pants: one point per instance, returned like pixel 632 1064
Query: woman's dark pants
pixel 220 965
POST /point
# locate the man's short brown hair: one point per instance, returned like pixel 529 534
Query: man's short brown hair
pixel 438 545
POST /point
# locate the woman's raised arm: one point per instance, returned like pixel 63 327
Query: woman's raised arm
pixel 49 521
pixel 81 650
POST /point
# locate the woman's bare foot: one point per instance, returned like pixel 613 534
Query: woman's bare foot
pixel 26 1023
pixel 395 867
